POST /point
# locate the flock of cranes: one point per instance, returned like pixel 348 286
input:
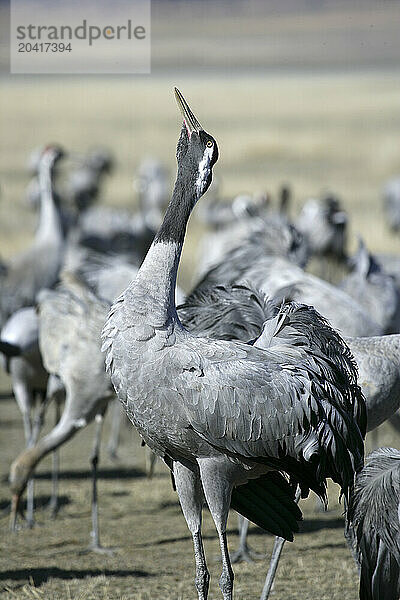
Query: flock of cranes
pixel 254 389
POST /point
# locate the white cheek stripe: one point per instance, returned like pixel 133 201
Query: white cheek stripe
pixel 204 169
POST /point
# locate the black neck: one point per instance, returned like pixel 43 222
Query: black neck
pixel 173 227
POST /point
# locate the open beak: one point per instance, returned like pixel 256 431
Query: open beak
pixel 189 119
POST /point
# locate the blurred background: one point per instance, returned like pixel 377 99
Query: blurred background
pixel 304 92
pixel 297 92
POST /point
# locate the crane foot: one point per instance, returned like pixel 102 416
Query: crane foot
pixel 246 554
pixel 98 549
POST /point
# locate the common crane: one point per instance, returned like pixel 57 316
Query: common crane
pixel 20 357
pixel 227 416
pixel 70 322
pixel 37 268
pixel 374 289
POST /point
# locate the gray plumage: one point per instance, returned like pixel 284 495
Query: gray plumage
pixel 224 413
pixel 239 311
pixel 188 367
pixel 378 360
pixel 266 239
pixel 226 313
pixel 38 267
pixel 277 276
pixel 374 289
pixel 373 525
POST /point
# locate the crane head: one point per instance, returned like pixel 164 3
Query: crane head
pixel 197 150
pixel 51 154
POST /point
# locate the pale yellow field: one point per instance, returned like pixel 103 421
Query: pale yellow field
pixel 317 132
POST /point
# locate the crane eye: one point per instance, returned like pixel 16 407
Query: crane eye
pixel 209 144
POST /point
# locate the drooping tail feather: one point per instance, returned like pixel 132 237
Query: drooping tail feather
pixel 373 525
pixel 269 502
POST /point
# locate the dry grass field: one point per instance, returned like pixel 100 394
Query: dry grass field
pixel 316 129
pixel 317 132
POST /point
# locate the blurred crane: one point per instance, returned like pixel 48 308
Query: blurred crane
pixel 20 357
pixel 271 272
pixel 324 223
pixel 83 184
pixel 38 267
pixel 235 221
pixel 374 289
pixel 70 321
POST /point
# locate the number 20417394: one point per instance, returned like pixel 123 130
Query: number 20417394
pixel 44 47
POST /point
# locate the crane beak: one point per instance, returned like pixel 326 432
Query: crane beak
pixel 189 119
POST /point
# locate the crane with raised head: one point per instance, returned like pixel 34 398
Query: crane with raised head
pixel 229 417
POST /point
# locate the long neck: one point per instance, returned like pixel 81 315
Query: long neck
pixel 49 222
pixel 157 275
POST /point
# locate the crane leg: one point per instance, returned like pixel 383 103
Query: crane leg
pixel 39 419
pixel 151 459
pixel 227 576
pixel 217 491
pixel 53 504
pixel 244 553
pixel 116 418
pixel 30 521
pixel 188 486
pixel 37 426
pixel 30 487
pixel 273 565
pixel 24 397
pixel 95 545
